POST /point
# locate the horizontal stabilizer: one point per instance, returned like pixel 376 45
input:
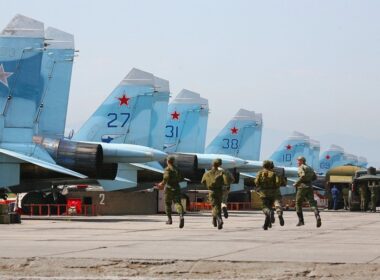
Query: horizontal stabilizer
pixel 126 178
pixel 45 164
pixel 248 175
pixel 150 166
pixel 293 180
pixel 117 184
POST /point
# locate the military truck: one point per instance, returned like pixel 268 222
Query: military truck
pixel 351 177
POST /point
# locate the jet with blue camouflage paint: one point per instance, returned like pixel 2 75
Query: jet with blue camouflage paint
pixel 336 156
pixel 186 127
pixel 21 94
pixel 242 137
pixel 134 113
pixel 185 133
pixel 297 144
pixel 35 73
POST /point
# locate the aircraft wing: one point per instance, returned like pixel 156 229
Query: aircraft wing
pixel 43 163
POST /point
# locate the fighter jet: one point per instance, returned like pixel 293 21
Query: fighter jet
pixel 186 130
pixel 336 156
pixel 132 114
pixel 32 66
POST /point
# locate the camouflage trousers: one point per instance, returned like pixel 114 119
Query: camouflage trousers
pixel 226 191
pixel 345 201
pixel 215 199
pixel 363 198
pixel 170 197
pixel 305 194
pixel 270 198
pixel 374 195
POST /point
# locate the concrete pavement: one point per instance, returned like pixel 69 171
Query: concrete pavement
pixel 344 238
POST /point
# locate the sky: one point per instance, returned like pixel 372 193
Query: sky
pixel 308 66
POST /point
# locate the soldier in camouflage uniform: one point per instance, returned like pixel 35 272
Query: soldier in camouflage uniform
pixel 282 181
pixel 345 193
pixel 304 187
pixel 226 191
pixel 214 180
pixel 373 188
pixel 170 182
pixel 363 196
pixel 267 183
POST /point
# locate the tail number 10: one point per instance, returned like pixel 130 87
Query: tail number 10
pixel 171 131
pixel 230 143
pixel 114 117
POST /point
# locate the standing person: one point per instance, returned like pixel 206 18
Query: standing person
pixel 373 188
pixel 214 180
pixel 267 183
pixel 170 182
pixel 345 192
pixel 363 196
pixel 335 195
pixel 304 187
pixel 226 191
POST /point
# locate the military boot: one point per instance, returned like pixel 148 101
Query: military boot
pixel 169 221
pixel 214 222
pixel 225 212
pixel 318 218
pixel 272 218
pixel 181 221
pixel 267 222
pixel 300 219
pixel 281 219
pixel 219 222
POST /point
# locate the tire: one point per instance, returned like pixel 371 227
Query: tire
pixel 33 198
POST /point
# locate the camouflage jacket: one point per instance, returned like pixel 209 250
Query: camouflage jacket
pixel 267 183
pixel 215 179
pixel 171 178
pixel 306 176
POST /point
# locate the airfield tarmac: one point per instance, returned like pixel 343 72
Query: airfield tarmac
pixel 347 246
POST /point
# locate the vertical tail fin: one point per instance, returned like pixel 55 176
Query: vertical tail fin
pixel 22 43
pixel 315 147
pixel 57 63
pixel 362 162
pixel 332 157
pixel 298 144
pixel 186 123
pixel 158 115
pixel 126 115
pixel 241 137
pixel 350 159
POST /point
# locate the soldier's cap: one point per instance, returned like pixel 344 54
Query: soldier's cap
pixel 171 159
pixel 217 161
pixel 301 158
pixel 267 164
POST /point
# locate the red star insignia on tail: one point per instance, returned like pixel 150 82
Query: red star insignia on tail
pixel 234 130
pixel 175 115
pixel 327 157
pixel 123 100
pixel 288 147
pixel 4 76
